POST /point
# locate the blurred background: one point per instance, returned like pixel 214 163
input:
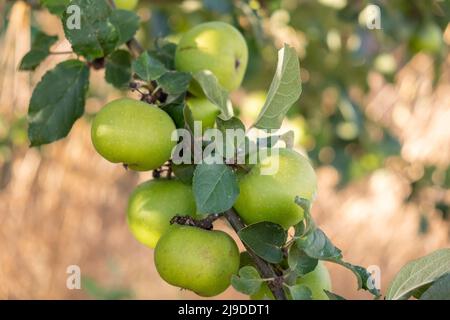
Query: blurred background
pixel 374 118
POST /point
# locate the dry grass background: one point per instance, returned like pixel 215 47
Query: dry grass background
pixel 64 205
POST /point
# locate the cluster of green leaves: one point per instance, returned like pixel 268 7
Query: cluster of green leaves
pixel 296 256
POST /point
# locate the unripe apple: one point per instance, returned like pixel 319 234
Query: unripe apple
pixel 214 46
pixel 133 133
pixel 204 111
pixel 317 281
pixel 152 206
pixel 271 197
pixel 199 260
pixel 126 4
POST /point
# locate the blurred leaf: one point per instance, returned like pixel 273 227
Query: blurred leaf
pixel 300 292
pixel 419 273
pixel 184 172
pixel 439 290
pixel 271 141
pixel 40 49
pixel 214 92
pixel 57 102
pixel 176 112
pixel 126 23
pixel 248 282
pixel 222 7
pixel 94 290
pixel 266 239
pixel 56 7
pixel 333 296
pixel 215 188
pixel 285 89
pixel 232 124
pixel 118 69
pixel 97 37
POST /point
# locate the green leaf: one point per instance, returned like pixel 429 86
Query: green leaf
pixel 56 7
pixel 165 53
pixel 419 273
pixel 97 36
pixel 271 141
pixel 184 172
pixel 333 296
pixel 93 289
pixel 188 118
pixel 439 290
pixel 248 282
pixel 299 261
pixel 126 23
pixel 57 102
pixel 300 292
pixel 176 112
pixel 232 123
pixel 174 82
pixel 266 239
pixel 317 245
pixel 118 69
pixel 40 49
pixel 215 188
pixel 148 68
pixel 362 275
pixel 214 92
pixel 284 91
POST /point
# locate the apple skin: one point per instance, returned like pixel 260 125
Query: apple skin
pixel 199 260
pixel 215 46
pixel 272 197
pixel 133 133
pixel 317 281
pixel 203 110
pixel 126 4
pixel 153 204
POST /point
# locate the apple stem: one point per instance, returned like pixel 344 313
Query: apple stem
pixel 265 269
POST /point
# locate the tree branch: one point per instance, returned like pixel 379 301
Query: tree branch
pixel 264 268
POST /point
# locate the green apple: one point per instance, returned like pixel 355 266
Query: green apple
pixel 153 204
pixel 271 197
pixel 126 4
pixel 133 133
pixel 204 111
pixel 199 260
pixel 429 38
pixel 214 46
pixel 317 281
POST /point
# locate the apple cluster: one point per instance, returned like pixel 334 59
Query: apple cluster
pixel 139 135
